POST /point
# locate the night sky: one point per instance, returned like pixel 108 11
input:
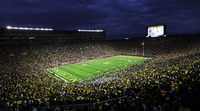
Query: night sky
pixel 120 18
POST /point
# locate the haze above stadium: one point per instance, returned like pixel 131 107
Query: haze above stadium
pixel 120 18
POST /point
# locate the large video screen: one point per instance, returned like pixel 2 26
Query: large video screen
pixel 156 31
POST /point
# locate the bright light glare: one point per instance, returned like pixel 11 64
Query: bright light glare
pixel 80 30
pixel 9 27
pixel 26 28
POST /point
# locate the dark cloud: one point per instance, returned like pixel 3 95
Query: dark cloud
pixel 117 17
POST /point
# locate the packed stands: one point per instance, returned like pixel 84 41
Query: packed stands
pixel 167 82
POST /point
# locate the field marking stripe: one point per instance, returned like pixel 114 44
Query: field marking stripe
pixel 66 73
pixel 69 70
pixel 60 74
pixel 54 74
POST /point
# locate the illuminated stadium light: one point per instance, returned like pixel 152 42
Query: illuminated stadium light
pixel 37 29
pixel 31 37
pixel 9 27
pixel 43 29
pixel 26 28
pixel 21 28
pixel 126 38
pixel 80 30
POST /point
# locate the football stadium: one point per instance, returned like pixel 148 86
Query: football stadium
pixel 97 74
pixel 99 55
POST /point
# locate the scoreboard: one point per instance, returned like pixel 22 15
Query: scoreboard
pixel 156 31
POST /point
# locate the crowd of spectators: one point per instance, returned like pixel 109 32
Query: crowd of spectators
pixel 170 81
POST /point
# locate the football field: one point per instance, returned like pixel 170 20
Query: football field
pixel 89 69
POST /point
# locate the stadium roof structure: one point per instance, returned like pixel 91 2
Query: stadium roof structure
pixel 25 35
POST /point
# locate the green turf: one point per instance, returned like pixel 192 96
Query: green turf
pixel 89 69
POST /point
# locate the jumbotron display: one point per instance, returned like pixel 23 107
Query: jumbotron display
pixel 156 31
